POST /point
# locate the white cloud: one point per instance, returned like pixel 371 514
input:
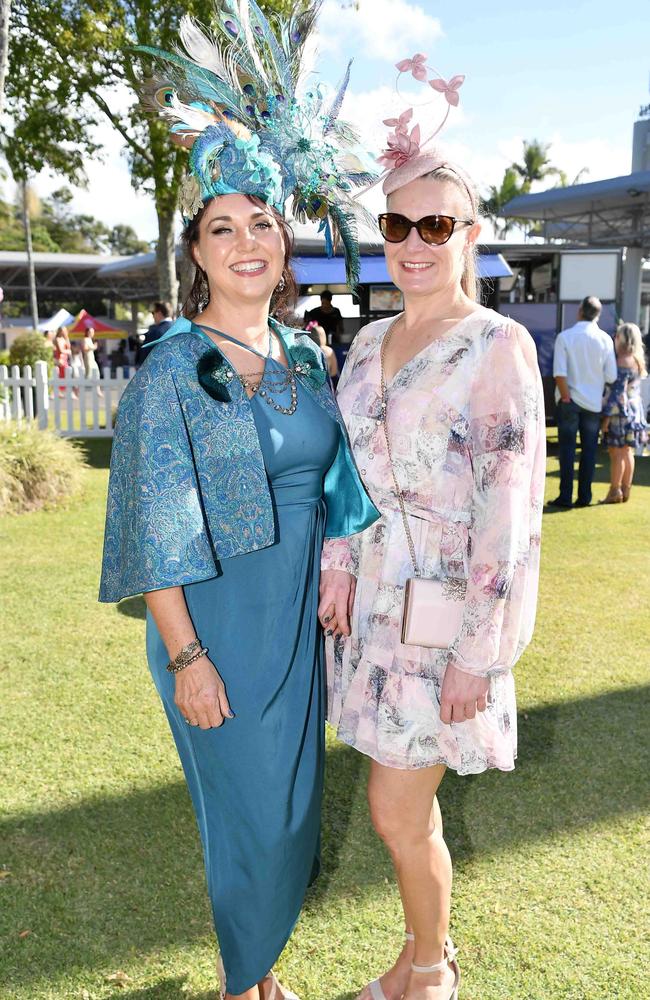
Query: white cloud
pixel 381 29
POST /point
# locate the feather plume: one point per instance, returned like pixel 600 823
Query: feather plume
pixel 345 230
pixel 278 60
pixel 335 108
pixel 230 96
pixel 205 51
pixel 251 41
pixel 195 81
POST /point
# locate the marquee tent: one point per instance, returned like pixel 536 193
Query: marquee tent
pixel 83 321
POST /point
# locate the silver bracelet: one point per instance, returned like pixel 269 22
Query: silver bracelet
pixel 188 654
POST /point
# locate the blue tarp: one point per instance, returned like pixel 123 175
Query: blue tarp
pixel 331 270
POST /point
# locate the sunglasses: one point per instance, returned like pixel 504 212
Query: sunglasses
pixel 432 229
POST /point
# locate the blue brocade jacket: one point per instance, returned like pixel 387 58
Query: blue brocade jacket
pixel 188 486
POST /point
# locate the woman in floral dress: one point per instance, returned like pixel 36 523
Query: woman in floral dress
pixel 623 422
pixel 466 426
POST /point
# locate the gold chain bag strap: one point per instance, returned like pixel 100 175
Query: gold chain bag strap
pixel 429 617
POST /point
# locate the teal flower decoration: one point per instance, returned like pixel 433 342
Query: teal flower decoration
pixel 215 375
pixel 306 367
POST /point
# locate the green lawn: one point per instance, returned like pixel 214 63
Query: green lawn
pixel 100 867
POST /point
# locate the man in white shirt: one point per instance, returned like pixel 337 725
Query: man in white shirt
pixel 583 361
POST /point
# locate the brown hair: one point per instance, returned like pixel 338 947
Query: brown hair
pixel 469 280
pixel 283 299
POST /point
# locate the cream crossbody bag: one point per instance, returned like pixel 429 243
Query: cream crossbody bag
pixel 430 617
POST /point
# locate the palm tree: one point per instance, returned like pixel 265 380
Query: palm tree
pixel 535 165
pixel 497 198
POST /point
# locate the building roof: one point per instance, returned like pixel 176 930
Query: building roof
pixel 80 261
pixel 613 212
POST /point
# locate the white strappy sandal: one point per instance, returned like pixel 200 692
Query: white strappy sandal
pixel 450 960
pixel 278 992
pixel 376 991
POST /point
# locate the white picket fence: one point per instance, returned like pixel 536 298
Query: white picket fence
pixel 71 406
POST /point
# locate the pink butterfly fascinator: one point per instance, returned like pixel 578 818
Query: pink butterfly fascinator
pixel 404 157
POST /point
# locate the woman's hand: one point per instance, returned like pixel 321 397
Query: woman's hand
pixel 201 695
pixel 463 695
pixel 337 590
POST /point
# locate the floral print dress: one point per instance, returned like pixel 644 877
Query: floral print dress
pixel 623 405
pixel 467 429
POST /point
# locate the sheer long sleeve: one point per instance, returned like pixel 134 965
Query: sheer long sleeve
pixel 508 445
pixel 343 553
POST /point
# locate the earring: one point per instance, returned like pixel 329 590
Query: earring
pixel 280 285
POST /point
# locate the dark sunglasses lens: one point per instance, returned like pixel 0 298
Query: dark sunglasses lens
pixel 394 228
pixel 436 228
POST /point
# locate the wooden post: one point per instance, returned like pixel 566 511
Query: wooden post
pixel 16 394
pixel 28 392
pixel 5 412
pixel 42 394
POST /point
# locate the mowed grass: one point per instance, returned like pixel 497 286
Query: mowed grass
pixel 101 883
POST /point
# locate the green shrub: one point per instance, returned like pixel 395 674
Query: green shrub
pixel 28 348
pixel 37 469
pixel 4 358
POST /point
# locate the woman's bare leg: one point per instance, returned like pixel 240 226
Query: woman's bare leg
pixel 406 816
pixel 628 467
pixel 615 467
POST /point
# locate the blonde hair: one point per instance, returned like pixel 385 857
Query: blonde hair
pixel 469 279
pixel 630 339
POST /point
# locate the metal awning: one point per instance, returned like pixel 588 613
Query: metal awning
pixel 331 270
pixel 493 265
pixel 613 212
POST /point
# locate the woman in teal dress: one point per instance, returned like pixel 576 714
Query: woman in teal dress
pixel 230 464
pixel 256 783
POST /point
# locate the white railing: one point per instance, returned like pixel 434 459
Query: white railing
pixel 71 406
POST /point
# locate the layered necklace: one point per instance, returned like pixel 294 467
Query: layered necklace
pixel 268 382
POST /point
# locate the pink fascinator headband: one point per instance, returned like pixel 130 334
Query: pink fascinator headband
pixel 404 157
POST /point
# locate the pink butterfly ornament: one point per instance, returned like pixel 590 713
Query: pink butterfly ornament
pixel 416 66
pixel 449 89
pixel 400 124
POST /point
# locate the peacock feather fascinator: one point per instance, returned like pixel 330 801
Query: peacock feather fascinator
pixel 236 96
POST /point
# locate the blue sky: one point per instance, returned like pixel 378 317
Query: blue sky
pixel 573 74
pixel 579 69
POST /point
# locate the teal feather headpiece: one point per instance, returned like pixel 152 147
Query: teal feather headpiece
pixel 232 98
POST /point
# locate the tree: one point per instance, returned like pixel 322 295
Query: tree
pixel 56 229
pixel 29 205
pixel 518 179
pixel 70 67
pixel 124 240
pixel 492 206
pixel 535 165
pixel 5 9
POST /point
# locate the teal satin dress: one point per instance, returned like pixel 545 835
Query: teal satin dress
pixel 256 782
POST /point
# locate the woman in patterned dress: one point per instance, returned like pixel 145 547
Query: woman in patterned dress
pixel 466 425
pixel 623 422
